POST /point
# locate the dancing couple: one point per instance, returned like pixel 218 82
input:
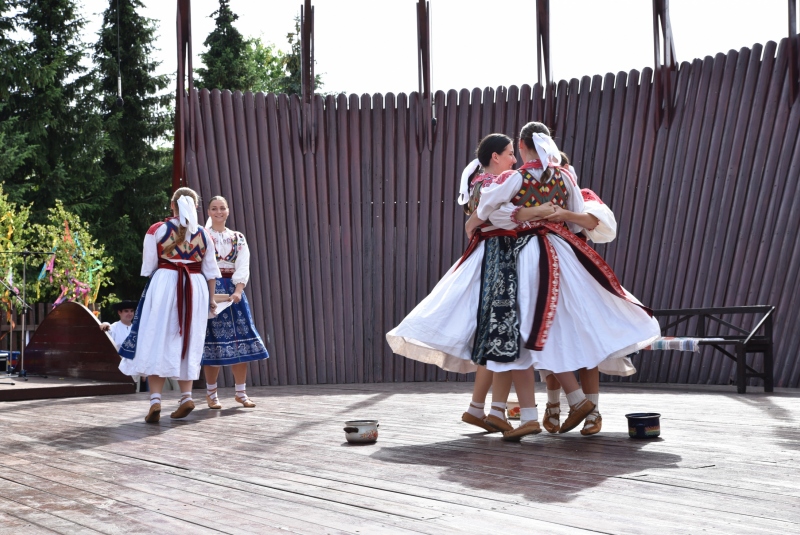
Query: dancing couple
pixel 528 292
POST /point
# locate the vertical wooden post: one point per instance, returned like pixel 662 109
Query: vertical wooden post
pixel 425 119
pixel 307 79
pixel 543 61
pixel 794 54
pixel 184 119
pixel 662 74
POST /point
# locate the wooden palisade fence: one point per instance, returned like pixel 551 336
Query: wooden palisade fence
pixel 348 237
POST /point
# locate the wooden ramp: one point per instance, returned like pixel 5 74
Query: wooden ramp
pixel 726 463
pixel 77 358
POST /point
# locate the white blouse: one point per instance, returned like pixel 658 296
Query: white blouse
pixel 495 205
pixel 228 258
pixel 150 253
pixel 604 232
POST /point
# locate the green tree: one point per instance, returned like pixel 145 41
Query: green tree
pixel 14 148
pixel 56 109
pixel 136 165
pixel 292 83
pixel 267 65
pixel 238 64
pixel 225 57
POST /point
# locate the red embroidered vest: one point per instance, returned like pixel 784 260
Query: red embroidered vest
pixel 535 193
pixel 193 250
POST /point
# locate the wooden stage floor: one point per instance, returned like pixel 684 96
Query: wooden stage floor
pixel 726 463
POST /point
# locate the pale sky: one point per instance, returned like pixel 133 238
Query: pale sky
pixel 369 46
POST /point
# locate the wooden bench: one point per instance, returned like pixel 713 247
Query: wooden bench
pixel 743 341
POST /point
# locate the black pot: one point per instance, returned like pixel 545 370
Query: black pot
pixel 644 424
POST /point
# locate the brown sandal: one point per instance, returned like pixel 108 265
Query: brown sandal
pixel 477 422
pixel 154 415
pixel 244 400
pixel 183 410
pixel 213 400
pixel 576 415
pixel 528 428
pixel 498 423
pixel 592 427
pixel 550 416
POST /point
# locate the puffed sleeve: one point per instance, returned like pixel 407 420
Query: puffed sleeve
pixel 150 254
pixel 209 266
pixel 505 216
pixel 241 273
pixel 575 199
pixel 606 229
pixel 501 190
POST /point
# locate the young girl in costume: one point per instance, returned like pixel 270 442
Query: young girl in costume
pixel 573 313
pixel 604 232
pixel 231 337
pixel 441 329
pixel 169 326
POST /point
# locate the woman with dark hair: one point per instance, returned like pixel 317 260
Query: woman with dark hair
pixel 573 313
pixel 441 329
pixel 169 326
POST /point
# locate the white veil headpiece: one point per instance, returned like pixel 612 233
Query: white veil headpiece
pixel 187 215
pixel 463 191
pixel 547 150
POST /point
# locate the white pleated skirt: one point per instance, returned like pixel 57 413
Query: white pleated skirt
pixel 591 327
pixel 158 341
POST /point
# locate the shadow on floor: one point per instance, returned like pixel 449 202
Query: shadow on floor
pixel 540 469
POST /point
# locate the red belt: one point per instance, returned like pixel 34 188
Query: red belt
pixel 184 296
pixel 227 273
pixel 479 236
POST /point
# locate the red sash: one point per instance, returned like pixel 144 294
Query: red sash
pixel 184 296
pixel 479 236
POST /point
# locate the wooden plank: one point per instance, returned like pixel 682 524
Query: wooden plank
pixel 413 295
pixel 392 366
pixel 348 296
pixel 376 260
pixel 437 198
pixel 259 277
pixel 357 225
pixel 366 165
pixel 271 301
pixel 287 368
pixel 329 341
pixel 404 368
pixel 310 205
pixel 288 107
pixel 329 146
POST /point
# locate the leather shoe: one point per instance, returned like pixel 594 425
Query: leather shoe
pixel 576 415
pixel 531 427
pixel 592 427
pixel 478 422
pixel 183 410
pixel 154 415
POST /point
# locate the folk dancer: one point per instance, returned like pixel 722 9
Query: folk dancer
pixel 169 326
pixel 231 336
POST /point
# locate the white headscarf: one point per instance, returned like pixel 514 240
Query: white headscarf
pixel 463 191
pixel 547 150
pixel 187 215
